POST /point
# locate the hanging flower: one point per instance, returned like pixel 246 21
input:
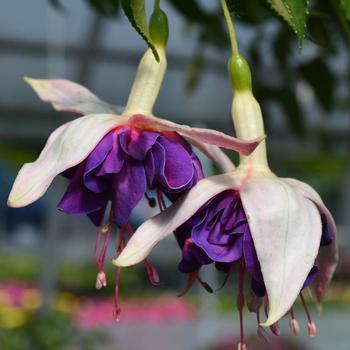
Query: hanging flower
pixel 278 230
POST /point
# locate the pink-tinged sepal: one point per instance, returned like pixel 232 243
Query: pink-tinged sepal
pixel 202 135
pixel 158 227
pixel 66 147
pixel 286 228
pixel 327 258
pixel 67 96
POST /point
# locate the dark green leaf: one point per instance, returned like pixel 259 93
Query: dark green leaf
pixel 345 5
pixel 136 12
pixel 252 11
pixel 190 9
pixel 318 75
pixel 294 13
pixel 318 32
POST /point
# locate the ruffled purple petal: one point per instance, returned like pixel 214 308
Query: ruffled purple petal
pixel 121 167
pixel 78 199
pixel 129 186
pixel 136 144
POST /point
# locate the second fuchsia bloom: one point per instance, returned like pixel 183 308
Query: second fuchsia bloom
pixel 278 229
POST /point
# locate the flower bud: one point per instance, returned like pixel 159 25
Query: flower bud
pixel 159 28
pixel 239 73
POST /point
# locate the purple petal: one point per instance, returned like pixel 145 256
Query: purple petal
pixel 136 143
pixel 78 199
pixel 114 160
pixel 129 186
pixel 96 157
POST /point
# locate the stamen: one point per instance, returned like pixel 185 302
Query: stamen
pixel 161 201
pixel 240 304
pixel 101 280
pixel 228 275
pixel 190 282
pixel 152 273
pixel 205 285
pixel 275 329
pixel 310 324
pixel 151 201
pixel 293 323
pixel 119 246
pixel 254 303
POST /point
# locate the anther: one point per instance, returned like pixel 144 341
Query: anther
pixel 242 346
pixel 293 323
pixel 101 280
pixel 151 201
pixel 152 273
pixel 275 329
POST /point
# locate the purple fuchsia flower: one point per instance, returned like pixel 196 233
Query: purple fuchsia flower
pixel 277 230
pixel 115 157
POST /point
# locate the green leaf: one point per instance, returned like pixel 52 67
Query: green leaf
pixel 136 12
pixel 345 5
pixel 294 13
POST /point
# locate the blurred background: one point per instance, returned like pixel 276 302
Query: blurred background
pixel 48 298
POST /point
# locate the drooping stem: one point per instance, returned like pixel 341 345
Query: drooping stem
pixel 231 28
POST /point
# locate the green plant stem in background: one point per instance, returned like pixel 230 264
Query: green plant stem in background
pixel 231 28
pixel 156 4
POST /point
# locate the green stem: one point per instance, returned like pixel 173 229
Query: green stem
pixel 156 4
pixel 231 28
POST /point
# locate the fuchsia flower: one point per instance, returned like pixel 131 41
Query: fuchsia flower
pixel 114 157
pixel 278 230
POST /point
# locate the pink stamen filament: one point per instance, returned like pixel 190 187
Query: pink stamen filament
pixel 151 271
pixel 120 242
pixel 293 323
pixel 240 303
pixel 100 257
pixel 310 324
pixel 161 201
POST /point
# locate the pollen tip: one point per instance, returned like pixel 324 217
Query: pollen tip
pixel 294 326
pixel 242 346
pixel 312 329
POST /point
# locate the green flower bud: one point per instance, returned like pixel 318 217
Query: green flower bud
pixel 239 73
pixel 159 28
